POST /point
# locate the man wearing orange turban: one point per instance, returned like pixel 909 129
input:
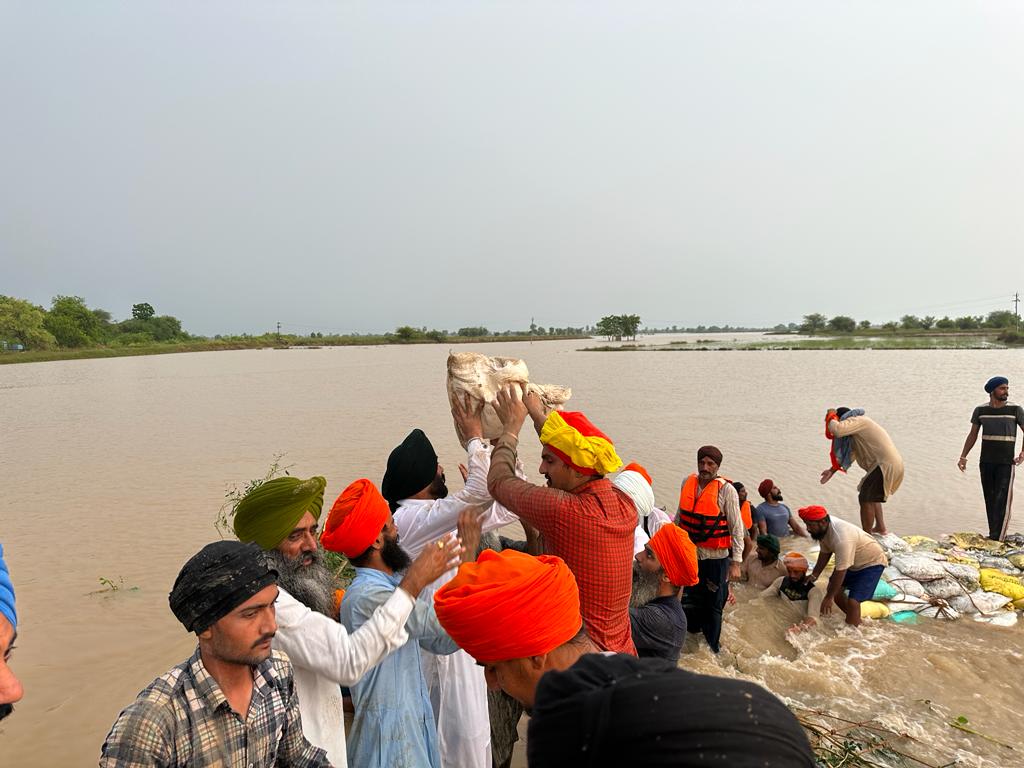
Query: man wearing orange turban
pixel 394 721
pixel 667 563
pixel 584 519
pixel 800 594
pixel 517 615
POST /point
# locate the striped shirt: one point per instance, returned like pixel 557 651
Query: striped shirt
pixel 183 719
pixel 998 431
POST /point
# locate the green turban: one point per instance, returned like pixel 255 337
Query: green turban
pixel 270 511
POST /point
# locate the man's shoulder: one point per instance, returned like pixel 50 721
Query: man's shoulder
pixel 160 704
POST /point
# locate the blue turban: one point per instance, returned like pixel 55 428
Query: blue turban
pixel 7 592
pixel 995 381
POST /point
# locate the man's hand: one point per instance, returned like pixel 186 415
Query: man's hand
pixel 469 527
pixel 827 475
pixel 1019 459
pixel 466 415
pixel 826 606
pixel 535 407
pixel 962 464
pixel 734 571
pixel 437 558
pixel 731 599
pixel 510 409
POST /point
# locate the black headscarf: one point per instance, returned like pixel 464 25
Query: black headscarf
pixel 621 710
pixel 216 580
pixel 412 466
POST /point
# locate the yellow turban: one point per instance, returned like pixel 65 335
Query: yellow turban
pixel 577 442
pixel 270 511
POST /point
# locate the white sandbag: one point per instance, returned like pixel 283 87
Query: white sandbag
pixel 946 587
pixel 941 611
pixel 907 586
pixel 967 575
pixel 999 563
pixel 891 543
pixel 891 573
pixel 908 603
pixel 938 556
pixel 482 376
pixel 917 566
pixel 1001 619
pixel 979 602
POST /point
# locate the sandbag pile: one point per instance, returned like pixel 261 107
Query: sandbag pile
pixel 958 574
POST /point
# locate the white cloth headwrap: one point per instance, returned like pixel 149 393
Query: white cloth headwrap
pixel 634 485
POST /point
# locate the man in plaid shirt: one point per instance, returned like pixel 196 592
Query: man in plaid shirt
pixel 584 519
pixel 233 702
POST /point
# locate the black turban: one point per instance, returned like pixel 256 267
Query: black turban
pixel 711 452
pixel 412 466
pixel 218 579
pixel 621 710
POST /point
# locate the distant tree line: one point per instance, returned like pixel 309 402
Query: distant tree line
pixel 69 323
pixel 818 323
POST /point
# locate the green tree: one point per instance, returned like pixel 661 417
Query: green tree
pixel 406 333
pixel 813 323
pixel 969 322
pixel 1002 318
pixel 23 323
pixel 864 325
pixel 945 323
pixel 910 322
pixel 927 322
pixel 143 310
pixel 842 324
pixel 473 331
pixel 890 326
pixel 72 323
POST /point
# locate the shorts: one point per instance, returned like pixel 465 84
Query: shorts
pixel 861 584
pixel 872 488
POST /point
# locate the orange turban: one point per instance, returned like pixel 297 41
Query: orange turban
pixel 356 519
pixel 795 560
pixel 577 442
pixel 813 512
pixel 677 555
pixel 634 467
pixel 510 605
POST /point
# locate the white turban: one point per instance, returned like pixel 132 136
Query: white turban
pixel 635 485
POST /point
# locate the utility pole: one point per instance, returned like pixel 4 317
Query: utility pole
pixel 1016 301
pixel 278 331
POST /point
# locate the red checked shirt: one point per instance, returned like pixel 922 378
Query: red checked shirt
pixel 591 528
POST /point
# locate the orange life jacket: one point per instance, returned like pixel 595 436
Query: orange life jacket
pixel 748 520
pixel 700 516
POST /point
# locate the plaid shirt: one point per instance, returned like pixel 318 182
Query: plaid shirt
pixel 183 719
pixel 591 528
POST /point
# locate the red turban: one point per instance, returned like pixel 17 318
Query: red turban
pixel 677 555
pixel 765 487
pixel 577 442
pixel 813 512
pixel 510 605
pixel 356 519
pixel 634 467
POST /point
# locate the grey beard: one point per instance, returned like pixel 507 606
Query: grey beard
pixel 312 585
pixel 645 586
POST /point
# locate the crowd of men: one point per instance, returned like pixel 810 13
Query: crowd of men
pixel 582 624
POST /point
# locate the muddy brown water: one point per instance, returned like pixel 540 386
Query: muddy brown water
pixel 116 469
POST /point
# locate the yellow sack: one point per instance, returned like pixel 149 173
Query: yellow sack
pixel 869 609
pixel 1017 560
pixel 1001 583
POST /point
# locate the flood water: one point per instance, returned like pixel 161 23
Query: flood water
pixel 116 469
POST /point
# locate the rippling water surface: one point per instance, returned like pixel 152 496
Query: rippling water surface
pixel 116 469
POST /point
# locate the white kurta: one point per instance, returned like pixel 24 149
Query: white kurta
pixel 325 657
pixel 457 686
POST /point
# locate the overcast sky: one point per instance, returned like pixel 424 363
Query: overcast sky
pixel 343 166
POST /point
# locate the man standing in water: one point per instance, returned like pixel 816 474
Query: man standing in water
pixel 709 511
pixel 855 437
pixel 998 422
pixel 667 563
pixel 859 562
pixel 282 517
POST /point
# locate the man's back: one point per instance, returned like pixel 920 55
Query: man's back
pixel 659 627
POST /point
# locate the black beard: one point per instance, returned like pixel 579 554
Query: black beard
pixel 818 535
pixel 645 586
pixel 438 490
pixel 394 557
pixel 312 585
pixel 5 710
pixel 777 496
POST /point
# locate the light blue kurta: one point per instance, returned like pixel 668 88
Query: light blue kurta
pixel 393 725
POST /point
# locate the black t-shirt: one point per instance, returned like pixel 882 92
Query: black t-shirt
pixel 659 628
pixel 795 590
pixel 998 431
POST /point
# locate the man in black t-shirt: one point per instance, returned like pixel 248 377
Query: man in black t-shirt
pixel 998 422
